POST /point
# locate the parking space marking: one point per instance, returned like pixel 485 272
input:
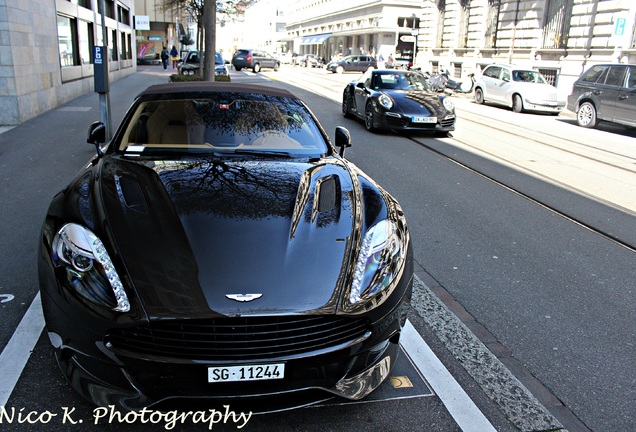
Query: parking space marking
pixel 461 407
pixel 17 352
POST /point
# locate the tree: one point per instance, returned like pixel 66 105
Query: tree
pixel 206 14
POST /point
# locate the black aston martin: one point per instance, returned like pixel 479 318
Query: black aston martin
pixel 398 100
pixel 219 249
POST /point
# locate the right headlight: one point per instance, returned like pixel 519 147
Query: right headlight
pixel 380 262
pixel 89 269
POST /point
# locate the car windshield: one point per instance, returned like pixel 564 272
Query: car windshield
pixel 399 81
pixel 528 76
pixel 224 124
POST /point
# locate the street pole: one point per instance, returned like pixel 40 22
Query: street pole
pixel 102 84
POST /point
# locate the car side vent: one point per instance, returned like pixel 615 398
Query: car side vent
pixel 131 195
pixel 327 194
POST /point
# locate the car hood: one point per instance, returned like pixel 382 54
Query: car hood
pixel 416 102
pixel 193 232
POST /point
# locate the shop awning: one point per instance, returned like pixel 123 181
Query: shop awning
pixel 315 39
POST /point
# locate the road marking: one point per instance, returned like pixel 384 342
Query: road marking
pixel 17 352
pixel 464 411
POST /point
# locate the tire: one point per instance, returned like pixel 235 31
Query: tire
pixel 479 96
pixel 276 67
pixel 369 117
pixel 346 105
pixel 256 68
pixel 517 103
pixel 339 69
pixel 586 115
pixel 238 68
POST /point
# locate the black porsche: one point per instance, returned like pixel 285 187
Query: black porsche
pixel 221 249
pixel 398 100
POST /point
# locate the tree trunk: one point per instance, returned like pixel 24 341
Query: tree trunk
pixel 209 26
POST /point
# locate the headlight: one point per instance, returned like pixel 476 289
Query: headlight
pixel 385 101
pixel 448 104
pixel 380 262
pixel 89 269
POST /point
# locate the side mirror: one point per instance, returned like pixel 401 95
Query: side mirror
pixel 97 135
pixel 361 85
pixel 343 139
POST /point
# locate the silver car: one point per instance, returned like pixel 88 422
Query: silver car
pixel 517 88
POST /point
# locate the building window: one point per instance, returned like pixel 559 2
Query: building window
pixel 125 52
pixel 110 8
pixel 67 41
pixel 84 3
pixel 464 20
pixel 557 23
pixel 441 17
pixel 86 41
pixel 550 75
pixel 123 15
pixel 492 23
pixel 112 44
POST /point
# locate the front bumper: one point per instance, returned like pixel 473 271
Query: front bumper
pixel 398 121
pixel 543 106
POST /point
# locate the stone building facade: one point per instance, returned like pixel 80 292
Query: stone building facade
pixel 558 37
pixel 46 52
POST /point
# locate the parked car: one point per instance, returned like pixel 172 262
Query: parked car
pixel 605 92
pixel 254 59
pixel 518 88
pixel 221 249
pixel 398 100
pixel 191 62
pixel 359 63
pixel 309 60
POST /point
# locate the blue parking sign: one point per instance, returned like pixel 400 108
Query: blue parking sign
pixel 619 27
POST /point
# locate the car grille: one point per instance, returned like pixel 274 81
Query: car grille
pixel 448 122
pixel 241 338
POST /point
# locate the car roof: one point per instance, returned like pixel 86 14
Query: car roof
pixel 213 87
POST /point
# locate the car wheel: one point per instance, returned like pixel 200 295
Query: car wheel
pixel 346 105
pixel 369 117
pixel 238 68
pixel 256 68
pixel 276 67
pixel 517 103
pixel 479 96
pixel 339 69
pixel 586 115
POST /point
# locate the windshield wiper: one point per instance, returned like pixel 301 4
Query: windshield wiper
pixel 248 152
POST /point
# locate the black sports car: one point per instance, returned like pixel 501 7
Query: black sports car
pixel 398 100
pixel 219 248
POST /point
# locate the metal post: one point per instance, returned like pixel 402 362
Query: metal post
pixel 104 93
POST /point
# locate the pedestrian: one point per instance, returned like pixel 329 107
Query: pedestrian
pixel 175 57
pixel 165 55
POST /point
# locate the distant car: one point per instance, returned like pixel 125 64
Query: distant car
pixel 358 63
pixel 284 58
pixel 398 100
pixel 517 88
pixel 221 249
pixel 255 60
pixel 191 62
pixel 309 60
pixel 605 92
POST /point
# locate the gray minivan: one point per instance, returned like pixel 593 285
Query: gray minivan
pixel 605 92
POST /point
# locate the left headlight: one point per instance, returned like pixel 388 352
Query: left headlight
pixel 89 269
pixel 385 101
pixel 380 262
pixel 448 103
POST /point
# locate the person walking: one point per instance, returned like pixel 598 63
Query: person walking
pixel 175 57
pixel 165 55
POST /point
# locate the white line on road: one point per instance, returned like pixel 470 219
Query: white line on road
pixel 17 352
pixel 464 411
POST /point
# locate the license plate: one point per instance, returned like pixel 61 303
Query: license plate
pixel 246 372
pixel 416 119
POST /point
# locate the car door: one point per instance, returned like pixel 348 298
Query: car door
pixel 362 92
pixel 501 86
pixel 625 108
pixel 490 79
